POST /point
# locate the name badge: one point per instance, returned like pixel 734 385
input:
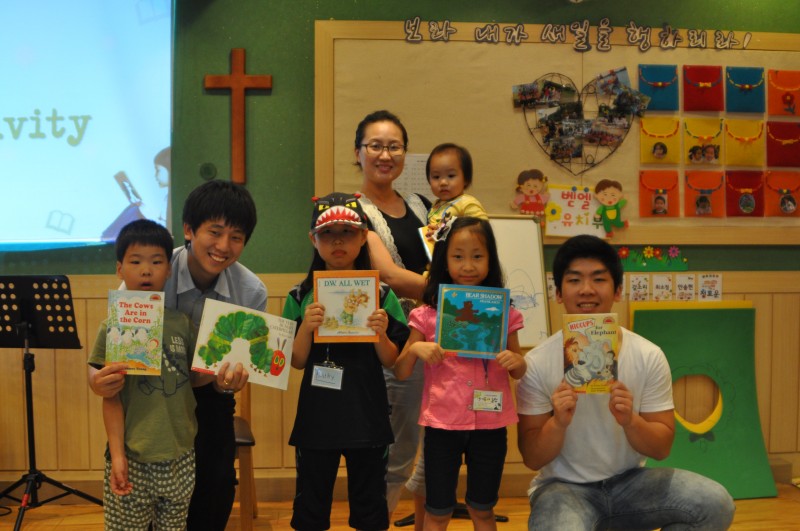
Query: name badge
pixel 487 400
pixel 327 376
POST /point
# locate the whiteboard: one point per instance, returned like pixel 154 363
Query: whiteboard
pixel 519 246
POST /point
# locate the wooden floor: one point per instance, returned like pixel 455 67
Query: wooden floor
pixel 765 514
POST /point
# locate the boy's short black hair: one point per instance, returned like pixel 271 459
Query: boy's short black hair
pixel 586 246
pixel 143 232
pixel 221 200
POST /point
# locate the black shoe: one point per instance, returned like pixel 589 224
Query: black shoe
pixel 403 522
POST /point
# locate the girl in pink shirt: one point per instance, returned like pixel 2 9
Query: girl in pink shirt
pixel 456 421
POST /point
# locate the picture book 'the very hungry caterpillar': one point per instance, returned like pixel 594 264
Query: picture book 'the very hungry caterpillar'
pixel 261 342
pixel 591 348
pixel 472 321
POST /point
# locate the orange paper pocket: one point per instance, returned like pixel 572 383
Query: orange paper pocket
pixel 704 196
pixel 658 194
pixel 782 193
pixel 783 92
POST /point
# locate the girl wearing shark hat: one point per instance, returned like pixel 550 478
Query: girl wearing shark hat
pixel 348 415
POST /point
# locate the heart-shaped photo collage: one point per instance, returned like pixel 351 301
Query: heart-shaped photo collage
pixel 580 129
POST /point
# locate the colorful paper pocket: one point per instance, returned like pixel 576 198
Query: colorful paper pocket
pixel 783 92
pixel 704 196
pixel 783 144
pixel 660 84
pixel 658 194
pixel 703 88
pixel 744 89
pixel 782 193
pixel 660 142
pixel 744 143
pixel 702 138
pixel 745 194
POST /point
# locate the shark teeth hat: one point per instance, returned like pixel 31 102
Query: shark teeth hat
pixel 337 209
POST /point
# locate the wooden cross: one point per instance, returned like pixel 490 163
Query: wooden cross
pixel 238 82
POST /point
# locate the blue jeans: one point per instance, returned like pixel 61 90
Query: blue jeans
pixel 639 499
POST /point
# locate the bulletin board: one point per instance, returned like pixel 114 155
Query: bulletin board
pixel 461 91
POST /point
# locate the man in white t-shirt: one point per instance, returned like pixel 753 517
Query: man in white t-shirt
pixel 590 449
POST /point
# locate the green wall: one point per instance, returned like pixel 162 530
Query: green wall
pixel 279 38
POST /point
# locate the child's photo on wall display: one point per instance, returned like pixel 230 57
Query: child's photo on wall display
pixel 659 150
pixel 695 154
pixel 745 194
pixel 705 134
pixel 781 195
pixel 711 154
pixel 659 205
pixel 658 193
pixel 704 195
pixel 660 140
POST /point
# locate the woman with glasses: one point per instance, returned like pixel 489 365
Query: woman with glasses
pixel 397 251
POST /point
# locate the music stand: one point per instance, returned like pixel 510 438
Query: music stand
pixel 36 311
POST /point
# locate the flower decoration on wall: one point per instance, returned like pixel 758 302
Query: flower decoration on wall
pixel 553 212
pixel 788 101
pixel 653 258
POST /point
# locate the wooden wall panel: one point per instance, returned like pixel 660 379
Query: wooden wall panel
pixel 96 311
pixel 72 405
pixel 785 367
pixel 44 408
pixel 13 455
pixel 266 412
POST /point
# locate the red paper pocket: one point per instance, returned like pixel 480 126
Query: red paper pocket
pixel 745 194
pixel 704 196
pixel 783 144
pixel 782 193
pixel 703 89
pixel 658 194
